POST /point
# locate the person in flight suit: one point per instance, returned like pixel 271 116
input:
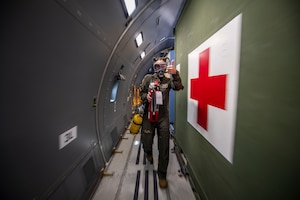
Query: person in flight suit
pixel 164 78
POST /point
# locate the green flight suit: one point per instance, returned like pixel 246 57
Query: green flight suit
pixel 163 123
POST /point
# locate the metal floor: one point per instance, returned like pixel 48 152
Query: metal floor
pixel 130 176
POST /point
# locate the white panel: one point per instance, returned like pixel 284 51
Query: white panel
pixel 224 59
pixel 67 137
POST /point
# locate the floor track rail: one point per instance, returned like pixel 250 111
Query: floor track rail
pixel 137 180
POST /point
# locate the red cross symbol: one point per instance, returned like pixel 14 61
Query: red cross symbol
pixel 207 90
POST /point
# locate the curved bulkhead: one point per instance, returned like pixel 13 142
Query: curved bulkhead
pixel 69 73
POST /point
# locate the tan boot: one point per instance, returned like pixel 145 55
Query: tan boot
pixel 163 183
pixel 150 158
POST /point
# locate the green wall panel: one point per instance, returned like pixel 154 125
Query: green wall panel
pixel 266 150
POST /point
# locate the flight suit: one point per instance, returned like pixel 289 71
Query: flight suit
pixel 163 123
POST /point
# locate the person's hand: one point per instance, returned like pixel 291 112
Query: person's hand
pixel 149 97
pixel 171 68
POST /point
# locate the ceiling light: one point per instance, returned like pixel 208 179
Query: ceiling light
pixel 130 6
pixel 143 54
pixel 139 39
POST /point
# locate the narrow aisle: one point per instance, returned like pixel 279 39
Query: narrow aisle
pixel 130 176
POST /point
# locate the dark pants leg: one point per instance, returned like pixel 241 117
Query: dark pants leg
pixel 163 134
pixel 147 135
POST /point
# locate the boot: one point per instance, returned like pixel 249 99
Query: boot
pixel 163 183
pixel 150 159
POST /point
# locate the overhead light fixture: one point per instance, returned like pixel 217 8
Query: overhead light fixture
pixel 139 39
pixel 130 6
pixel 162 39
pixel 143 54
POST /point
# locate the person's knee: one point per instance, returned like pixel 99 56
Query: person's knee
pixel 147 131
